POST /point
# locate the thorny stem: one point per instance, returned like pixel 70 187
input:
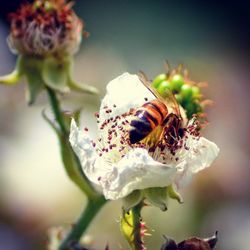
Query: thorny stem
pixel 132 227
pixel 137 233
pixel 92 208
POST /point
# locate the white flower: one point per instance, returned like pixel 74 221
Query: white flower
pixel 117 166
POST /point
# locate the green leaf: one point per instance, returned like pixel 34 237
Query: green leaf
pixel 54 74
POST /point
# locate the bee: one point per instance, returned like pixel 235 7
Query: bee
pixel 161 111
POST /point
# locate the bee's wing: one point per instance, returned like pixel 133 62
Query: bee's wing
pixel 142 76
pixel 169 100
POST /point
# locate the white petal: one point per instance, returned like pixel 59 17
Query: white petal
pixel 200 155
pixel 90 161
pixel 137 170
pixel 125 92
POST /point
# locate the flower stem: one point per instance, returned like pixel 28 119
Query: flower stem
pixel 57 110
pixel 92 208
pixel 137 232
pixel 132 227
pixel 72 165
pixel 71 162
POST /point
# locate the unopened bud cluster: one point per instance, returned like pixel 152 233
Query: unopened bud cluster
pixel 186 92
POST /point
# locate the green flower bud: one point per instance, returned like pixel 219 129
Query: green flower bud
pixel 186 92
pixel 179 98
pixel 196 92
pixel 192 108
pixel 158 80
pixel 176 82
pixel 163 87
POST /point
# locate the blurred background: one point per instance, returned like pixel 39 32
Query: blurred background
pixel 210 38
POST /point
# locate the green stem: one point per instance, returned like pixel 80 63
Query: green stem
pixel 72 166
pixel 137 232
pixel 71 162
pixel 131 227
pixel 92 208
pixel 57 110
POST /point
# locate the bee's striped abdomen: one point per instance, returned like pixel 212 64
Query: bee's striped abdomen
pixel 148 117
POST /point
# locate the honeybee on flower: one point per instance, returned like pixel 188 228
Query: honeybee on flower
pixel 120 168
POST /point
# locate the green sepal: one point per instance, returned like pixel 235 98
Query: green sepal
pixel 172 193
pixel 69 115
pixel 14 76
pixel 157 196
pixel 81 87
pixel 35 85
pixel 132 200
pixel 31 68
pixel 54 74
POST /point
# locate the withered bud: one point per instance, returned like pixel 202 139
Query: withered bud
pixel 193 243
pixel 45 27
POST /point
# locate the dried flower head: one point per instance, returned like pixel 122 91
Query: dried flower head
pixel 193 243
pixel 45 35
pixel 118 167
pixel 45 27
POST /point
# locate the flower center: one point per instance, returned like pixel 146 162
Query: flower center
pixel 162 143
